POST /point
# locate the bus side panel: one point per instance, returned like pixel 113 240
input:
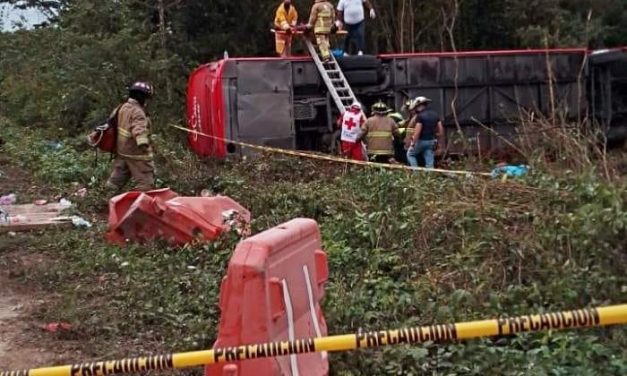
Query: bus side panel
pixel 491 90
pixel 264 102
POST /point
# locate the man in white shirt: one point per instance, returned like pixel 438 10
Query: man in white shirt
pixel 351 14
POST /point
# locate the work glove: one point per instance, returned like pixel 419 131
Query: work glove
pixel 372 14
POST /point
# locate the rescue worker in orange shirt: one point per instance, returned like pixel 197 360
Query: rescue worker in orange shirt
pixel 284 20
pixel 134 153
pixel 321 20
pixel 351 122
pixel 380 131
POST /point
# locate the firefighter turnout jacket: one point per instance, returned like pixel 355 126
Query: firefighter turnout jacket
pixel 134 132
pixel 322 17
pixel 380 131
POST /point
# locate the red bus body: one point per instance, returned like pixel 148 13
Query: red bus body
pixel 283 102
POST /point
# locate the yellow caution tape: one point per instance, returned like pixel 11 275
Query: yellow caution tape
pixel 330 157
pixel 580 318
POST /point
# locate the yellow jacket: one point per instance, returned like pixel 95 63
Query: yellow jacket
pixel 322 17
pixel 380 132
pixel 285 19
pixel 133 132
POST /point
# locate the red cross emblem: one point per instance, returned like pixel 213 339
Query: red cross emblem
pixel 350 123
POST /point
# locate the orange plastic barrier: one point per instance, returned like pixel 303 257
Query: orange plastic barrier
pixel 272 292
pixel 162 214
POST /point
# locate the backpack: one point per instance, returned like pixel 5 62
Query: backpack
pixel 105 135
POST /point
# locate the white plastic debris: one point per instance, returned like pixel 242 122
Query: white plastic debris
pixel 80 222
pixel 65 203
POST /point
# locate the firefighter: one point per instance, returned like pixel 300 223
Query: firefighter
pixel 400 154
pixel 352 122
pixel 322 19
pixel 410 125
pixel 134 153
pixel 428 134
pixel 285 20
pixel 380 131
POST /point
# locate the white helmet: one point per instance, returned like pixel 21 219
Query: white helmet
pixel 418 101
pixel 356 105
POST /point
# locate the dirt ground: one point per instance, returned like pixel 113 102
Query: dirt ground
pixel 23 342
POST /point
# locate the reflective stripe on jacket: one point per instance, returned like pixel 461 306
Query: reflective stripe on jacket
pixel 133 132
pixel 322 17
pixel 380 132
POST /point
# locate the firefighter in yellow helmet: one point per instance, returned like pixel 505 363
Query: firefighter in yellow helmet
pixel 284 20
pixel 380 131
pixel 400 154
pixel 321 20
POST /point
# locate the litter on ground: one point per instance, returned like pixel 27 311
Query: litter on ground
pixel 16 218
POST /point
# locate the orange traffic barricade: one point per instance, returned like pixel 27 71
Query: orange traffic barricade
pixel 162 214
pixel 272 292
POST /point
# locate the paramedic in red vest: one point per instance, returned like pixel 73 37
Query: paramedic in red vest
pixel 352 121
pixel 285 19
pixel 134 157
pixel 350 15
pixel 428 134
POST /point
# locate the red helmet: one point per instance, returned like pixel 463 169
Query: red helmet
pixel 143 87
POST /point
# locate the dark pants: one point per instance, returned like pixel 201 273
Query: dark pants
pixel 380 158
pixel 143 172
pixel 400 154
pixel 357 34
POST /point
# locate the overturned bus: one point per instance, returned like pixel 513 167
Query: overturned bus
pixel 285 102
